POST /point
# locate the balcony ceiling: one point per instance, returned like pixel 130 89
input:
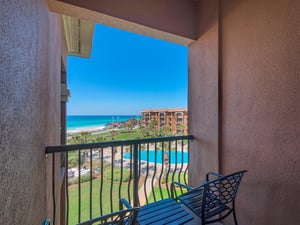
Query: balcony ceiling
pixel 79 36
pixel 166 20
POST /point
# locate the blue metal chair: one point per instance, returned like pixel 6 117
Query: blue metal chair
pixel 213 200
pixel 122 217
pixel 46 222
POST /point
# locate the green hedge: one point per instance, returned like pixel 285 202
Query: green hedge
pixel 83 178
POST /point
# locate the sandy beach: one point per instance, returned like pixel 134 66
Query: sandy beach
pixel 92 130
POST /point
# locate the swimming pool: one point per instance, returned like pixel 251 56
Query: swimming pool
pixel 182 157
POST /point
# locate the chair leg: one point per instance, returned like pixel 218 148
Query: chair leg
pixel 234 216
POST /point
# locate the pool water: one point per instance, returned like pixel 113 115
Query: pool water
pixel 182 157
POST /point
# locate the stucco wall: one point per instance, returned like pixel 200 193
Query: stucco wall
pixel 203 94
pixel 261 104
pixel 30 60
pixel 260 120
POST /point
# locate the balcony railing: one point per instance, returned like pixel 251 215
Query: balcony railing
pixel 100 174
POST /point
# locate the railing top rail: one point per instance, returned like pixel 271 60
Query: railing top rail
pixel 65 148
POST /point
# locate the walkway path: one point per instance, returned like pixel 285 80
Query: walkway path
pixel 148 183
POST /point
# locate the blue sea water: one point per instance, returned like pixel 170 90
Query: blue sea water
pixel 84 121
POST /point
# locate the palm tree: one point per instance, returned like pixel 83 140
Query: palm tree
pixel 99 139
pixel 142 131
pixel 114 150
pixel 181 127
pixel 84 139
pixel 131 124
pixel 153 128
pixel 85 135
pixel 76 139
pixel 166 131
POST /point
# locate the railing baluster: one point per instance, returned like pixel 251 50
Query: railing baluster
pixel 139 169
pixel 168 172
pixel 139 161
pixel 53 188
pixel 135 176
pixel 130 175
pixel 91 182
pixel 175 169
pixel 147 173
pixel 154 172
pixel 187 166
pixel 162 169
pixel 181 168
pixel 101 183
pixel 79 186
pixel 121 173
pixel 67 187
pixel 112 179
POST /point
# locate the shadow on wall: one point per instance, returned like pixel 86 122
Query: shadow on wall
pixel 207 13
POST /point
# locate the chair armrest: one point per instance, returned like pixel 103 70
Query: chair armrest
pixel 173 191
pixel 181 185
pixel 124 202
pixel 218 175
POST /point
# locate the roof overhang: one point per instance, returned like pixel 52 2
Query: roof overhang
pixel 85 14
pixel 79 36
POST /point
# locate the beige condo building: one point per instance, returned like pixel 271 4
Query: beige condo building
pixel 175 118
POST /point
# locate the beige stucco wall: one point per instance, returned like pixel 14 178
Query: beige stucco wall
pixel 260 120
pixel 30 58
pixel 203 94
pixel 261 98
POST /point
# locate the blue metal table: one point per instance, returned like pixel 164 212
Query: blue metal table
pixel 166 211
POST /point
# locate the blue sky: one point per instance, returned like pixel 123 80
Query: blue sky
pixel 127 73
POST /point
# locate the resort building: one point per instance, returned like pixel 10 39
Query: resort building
pixel 174 118
pixel 243 96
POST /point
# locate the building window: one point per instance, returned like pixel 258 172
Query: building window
pixel 179 120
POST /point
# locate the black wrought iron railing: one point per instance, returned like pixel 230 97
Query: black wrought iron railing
pixel 98 175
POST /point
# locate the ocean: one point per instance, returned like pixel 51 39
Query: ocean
pixel 82 122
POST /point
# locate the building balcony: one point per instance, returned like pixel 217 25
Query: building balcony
pixel 98 175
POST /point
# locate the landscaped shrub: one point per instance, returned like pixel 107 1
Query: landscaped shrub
pixel 83 178
pixel 73 162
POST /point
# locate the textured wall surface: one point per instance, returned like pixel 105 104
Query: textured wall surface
pixel 29 107
pixel 203 94
pixel 261 104
pixel 260 129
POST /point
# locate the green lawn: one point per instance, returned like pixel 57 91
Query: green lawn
pixel 85 199
pixel 107 136
pixel 163 194
pixel 105 198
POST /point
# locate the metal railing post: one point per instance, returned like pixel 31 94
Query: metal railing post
pixel 135 176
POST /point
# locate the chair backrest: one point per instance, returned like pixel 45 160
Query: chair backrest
pixel 221 191
pixel 213 198
pixel 122 217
